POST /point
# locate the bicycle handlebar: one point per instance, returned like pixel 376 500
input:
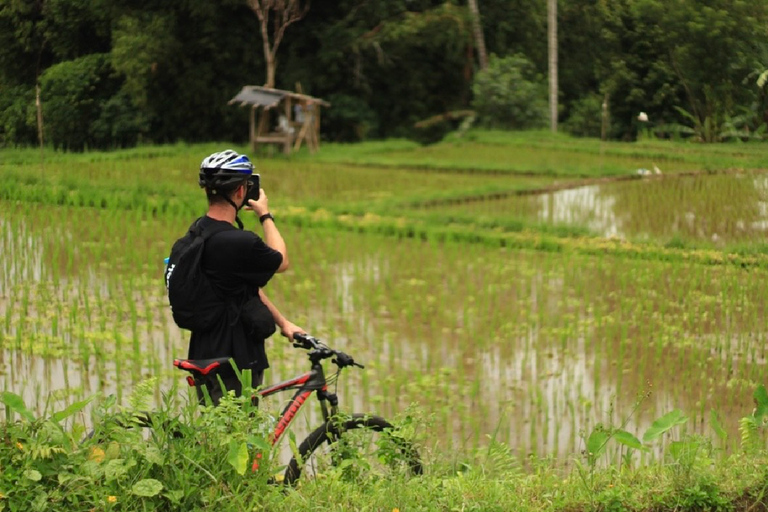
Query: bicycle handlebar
pixel 318 350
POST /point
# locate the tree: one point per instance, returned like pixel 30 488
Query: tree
pixel 510 94
pixel 284 13
pixel 477 29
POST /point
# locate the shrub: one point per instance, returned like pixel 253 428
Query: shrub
pixel 18 116
pixel 350 119
pixel 84 107
pixel 510 94
pixel 585 119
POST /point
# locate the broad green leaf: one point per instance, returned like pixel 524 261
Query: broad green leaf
pixel 174 496
pixel 761 402
pixel 16 403
pixel 663 424
pixel 72 409
pixel 259 443
pixel 33 475
pixel 596 443
pixel 148 487
pixel 116 468
pixel 154 455
pixel 627 439
pixel 714 421
pixel 238 456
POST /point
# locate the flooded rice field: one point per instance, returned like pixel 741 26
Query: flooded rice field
pixel 718 209
pixel 529 348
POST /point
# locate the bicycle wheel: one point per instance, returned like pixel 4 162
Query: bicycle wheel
pixel 362 446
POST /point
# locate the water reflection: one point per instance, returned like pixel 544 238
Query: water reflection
pixel 584 206
pixel 719 209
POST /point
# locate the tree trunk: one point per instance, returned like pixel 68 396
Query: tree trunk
pixel 477 28
pixel 552 16
pixel 284 14
pixel 271 66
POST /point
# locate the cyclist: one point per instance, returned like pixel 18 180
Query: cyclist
pixel 239 264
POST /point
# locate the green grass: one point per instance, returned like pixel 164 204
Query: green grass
pixel 544 153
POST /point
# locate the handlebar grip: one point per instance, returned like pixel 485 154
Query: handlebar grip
pixel 304 341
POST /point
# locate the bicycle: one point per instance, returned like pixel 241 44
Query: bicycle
pixel 336 431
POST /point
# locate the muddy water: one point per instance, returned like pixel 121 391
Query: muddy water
pixel 528 348
pixel 715 209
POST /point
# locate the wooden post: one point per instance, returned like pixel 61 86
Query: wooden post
pixel 288 135
pixel 317 127
pixel 263 120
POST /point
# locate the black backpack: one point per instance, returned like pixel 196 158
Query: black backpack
pixel 195 304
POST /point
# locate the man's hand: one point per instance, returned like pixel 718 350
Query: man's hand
pixel 260 206
pixel 288 329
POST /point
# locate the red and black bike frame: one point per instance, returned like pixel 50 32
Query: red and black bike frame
pixel 305 385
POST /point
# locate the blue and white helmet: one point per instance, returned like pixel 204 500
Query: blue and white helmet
pixel 224 170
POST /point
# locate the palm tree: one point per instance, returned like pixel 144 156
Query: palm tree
pixel 552 26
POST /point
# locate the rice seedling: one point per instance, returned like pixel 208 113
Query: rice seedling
pixel 498 316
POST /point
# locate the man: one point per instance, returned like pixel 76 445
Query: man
pixel 238 264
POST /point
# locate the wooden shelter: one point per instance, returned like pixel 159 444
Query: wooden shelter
pixel 298 117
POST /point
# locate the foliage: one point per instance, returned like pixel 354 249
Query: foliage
pixel 753 428
pixel 49 466
pixel 391 64
pixel 350 119
pixel 586 117
pixel 79 107
pixel 660 57
pixel 122 464
pixel 17 115
pixel 509 94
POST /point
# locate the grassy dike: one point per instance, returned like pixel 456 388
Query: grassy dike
pixel 48 463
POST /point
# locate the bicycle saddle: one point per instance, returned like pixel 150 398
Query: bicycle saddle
pixel 201 367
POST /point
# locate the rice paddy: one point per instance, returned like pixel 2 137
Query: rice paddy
pixel 528 344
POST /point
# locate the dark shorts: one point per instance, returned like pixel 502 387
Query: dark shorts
pixel 231 383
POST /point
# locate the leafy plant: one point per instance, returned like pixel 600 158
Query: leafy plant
pixel 510 94
pixel 600 436
pixel 753 427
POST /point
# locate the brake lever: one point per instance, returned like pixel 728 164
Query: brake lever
pixel 343 360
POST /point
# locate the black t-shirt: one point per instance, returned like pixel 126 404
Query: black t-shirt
pixel 238 263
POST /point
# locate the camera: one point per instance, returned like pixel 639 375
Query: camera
pixel 254 188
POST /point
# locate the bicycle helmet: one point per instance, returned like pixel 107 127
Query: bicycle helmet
pixel 224 170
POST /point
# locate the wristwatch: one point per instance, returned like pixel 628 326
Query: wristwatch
pixel 265 217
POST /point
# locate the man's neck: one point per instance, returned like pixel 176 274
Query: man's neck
pixel 222 211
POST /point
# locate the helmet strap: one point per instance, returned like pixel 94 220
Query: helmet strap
pixel 237 210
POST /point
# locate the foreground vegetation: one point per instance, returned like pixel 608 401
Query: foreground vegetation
pixel 537 362
pixel 46 466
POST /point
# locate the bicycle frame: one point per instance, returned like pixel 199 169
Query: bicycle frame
pixel 305 385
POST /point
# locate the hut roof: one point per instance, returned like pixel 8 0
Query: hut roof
pixel 268 98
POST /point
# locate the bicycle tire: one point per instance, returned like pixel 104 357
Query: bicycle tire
pixel 333 431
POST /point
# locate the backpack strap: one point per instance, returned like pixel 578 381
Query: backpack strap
pixel 196 229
